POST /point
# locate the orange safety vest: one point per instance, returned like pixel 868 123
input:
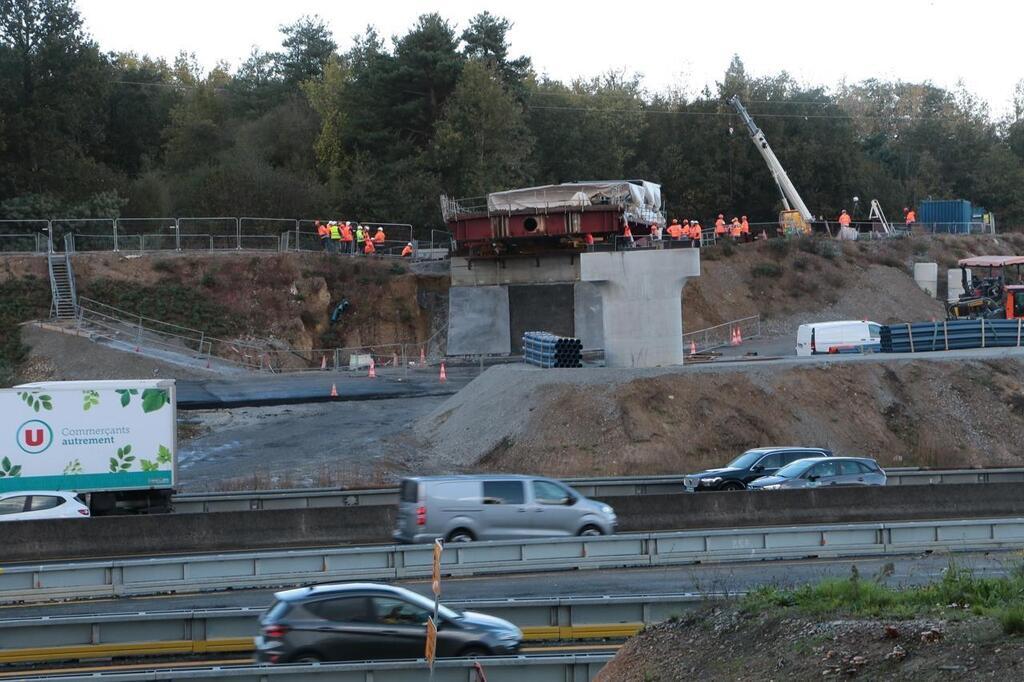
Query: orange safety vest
pixel 911 217
pixel 369 248
pixel 674 231
pixel 844 219
pixel 745 227
pixel 379 237
pixel 407 251
pixel 322 230
pixel 589 239
pixel 695 227
pixel 627 232
pixel 346 233
pixel 735 230
pixel 719 226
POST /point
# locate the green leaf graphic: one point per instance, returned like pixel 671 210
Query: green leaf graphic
pixel 153 399
pixel 148 465
pixel 163 455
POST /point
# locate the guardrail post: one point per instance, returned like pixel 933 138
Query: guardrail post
pixel 238 234
pixel 115 236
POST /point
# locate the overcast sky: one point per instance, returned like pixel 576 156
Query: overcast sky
pixel 679 45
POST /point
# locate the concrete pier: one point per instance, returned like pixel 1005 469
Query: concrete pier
pixel 641 299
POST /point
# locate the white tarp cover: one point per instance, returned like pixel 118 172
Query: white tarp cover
pixel 641 199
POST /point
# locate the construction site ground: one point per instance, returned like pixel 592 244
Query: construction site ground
pixel 942 409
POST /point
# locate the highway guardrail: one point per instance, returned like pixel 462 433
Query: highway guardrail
pixel 591 487
pixel 536 668
pixel 204 631
pixel 212 572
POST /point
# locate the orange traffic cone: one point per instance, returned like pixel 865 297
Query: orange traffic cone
pixel 739 336
pixel 334 391
pixel 423 358
pixel 323 362
pixel 693 347
pixel 444 375
pixel 373 370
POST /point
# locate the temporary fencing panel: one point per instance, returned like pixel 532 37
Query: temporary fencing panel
pixel 24 236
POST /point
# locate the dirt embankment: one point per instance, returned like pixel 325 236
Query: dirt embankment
pixel 282 301
pixel 812 280
pixel 619 422
pixel 725 645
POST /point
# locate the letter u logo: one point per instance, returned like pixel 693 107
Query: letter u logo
pixel 33 439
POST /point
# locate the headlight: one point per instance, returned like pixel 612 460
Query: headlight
pixel 510 636
pixel 605 509
pixel 710 481
pixel 773 486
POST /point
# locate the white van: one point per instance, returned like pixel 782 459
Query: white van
pixel 846 336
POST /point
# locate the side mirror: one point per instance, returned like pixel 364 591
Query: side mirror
pixel 569 501
pixel 812 477
pixel 758 469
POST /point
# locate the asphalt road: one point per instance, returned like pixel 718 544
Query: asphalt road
pixel 896 571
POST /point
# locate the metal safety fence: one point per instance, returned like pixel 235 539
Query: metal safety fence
pixel 721 335
pixel 215 572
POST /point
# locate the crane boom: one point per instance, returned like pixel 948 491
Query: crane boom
pixel 790 197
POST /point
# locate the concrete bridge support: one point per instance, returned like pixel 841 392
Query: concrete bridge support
pixel 641 297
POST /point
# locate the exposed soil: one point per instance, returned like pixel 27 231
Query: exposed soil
pixel 935 413
pixel 726 645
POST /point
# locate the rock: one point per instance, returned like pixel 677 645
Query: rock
pixel 898 653
pixel 892 632
pixel 858 660
pixel 931 635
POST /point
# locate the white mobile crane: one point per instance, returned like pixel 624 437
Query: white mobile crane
pixel 796 216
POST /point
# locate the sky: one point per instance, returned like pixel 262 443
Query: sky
pixel 679 45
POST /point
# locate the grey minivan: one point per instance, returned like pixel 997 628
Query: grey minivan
pixel 499 507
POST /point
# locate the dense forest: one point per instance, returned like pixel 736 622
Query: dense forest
pixel 376 129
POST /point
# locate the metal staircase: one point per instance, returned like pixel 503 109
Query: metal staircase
pixel 62 285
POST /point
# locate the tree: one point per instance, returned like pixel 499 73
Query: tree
pixel 308 47
pixel 482 143
pixel 486 40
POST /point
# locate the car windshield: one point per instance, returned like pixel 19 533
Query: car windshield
pixel 794 470
pixel 746 460
pixel 428 604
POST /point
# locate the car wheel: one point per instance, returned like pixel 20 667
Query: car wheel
pixel 460 535
pixel 474 651
pixel 731 485
pixel 306 657
pixel 589 531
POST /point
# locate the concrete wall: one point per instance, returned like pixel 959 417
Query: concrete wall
pixel 546 269
pixel 588 318
pixel 927 277
pixel 539 307
pixel 251 530
pixel 478 321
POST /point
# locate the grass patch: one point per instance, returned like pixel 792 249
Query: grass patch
pixel 767 270
pixel 779 246
pixel 20 300
pixel 957 591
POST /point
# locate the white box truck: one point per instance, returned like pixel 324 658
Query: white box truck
pixel 113 441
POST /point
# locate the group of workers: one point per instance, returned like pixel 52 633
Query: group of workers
pixel 909 217
pixel 690 230
pixel 340 236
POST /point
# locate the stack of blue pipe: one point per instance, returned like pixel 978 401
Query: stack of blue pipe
pixel 916 337
pixel 544 349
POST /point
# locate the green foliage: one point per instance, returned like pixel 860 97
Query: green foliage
pixel 9 469
pixel 1012 621
pixel 779 246
pixel 767 270
pixel 36 402
pixel 20 300
pixel 126 395
pixel 122 461
pixel 154 399
pixel 163 455
pixel 90 399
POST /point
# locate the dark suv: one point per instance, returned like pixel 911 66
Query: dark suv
pixel 368 621
pixel 751 465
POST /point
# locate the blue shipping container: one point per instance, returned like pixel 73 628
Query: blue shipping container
pixel 952 215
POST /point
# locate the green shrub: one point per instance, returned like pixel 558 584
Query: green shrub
pixel 768 270
pixel 20 300
pixel 208 281
pixel 164 265
pixel 779 246
pixel 727 248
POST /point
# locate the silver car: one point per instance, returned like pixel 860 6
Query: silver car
pixel 818 472
pixel 500 507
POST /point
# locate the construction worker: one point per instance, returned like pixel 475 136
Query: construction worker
pixel 695 231
pixel 674 230
pixel 844 219
pixel 360 235
pixel 911 216
pixel 379 237
pixel 346 237
pixel 407 251
pixel 745 229
pixel 735 229
pixel 720 227
pixel 324 234
pixel 334 234
pixel 656 232
pixel 368 248
pixel 627 234
pixel 589 239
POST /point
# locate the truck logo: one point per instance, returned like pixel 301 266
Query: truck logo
pixel 34 436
